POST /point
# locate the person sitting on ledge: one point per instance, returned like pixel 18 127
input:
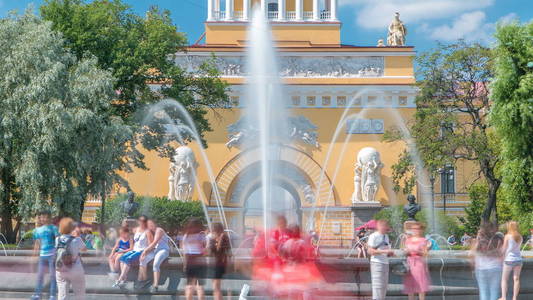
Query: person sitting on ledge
pixel 141 239
pixel 158 251
pixel 123 245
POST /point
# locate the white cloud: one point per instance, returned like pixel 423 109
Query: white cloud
pixel 377 14
pixel 468 26
pixel 508 18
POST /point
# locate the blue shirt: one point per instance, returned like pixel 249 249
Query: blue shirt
pixel 46 235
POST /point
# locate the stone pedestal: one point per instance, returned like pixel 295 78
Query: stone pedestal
pixel 129 222
pixel 363 212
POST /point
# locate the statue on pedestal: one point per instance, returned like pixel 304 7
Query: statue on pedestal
pixel 182 174
pixel 397 32
pixel 129 206
pixel 411 208
pixel 367 175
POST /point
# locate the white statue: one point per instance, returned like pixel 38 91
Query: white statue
pixel 397 32
pixel 182 174
pixel 367 175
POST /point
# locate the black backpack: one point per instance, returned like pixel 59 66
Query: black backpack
pixel 64 257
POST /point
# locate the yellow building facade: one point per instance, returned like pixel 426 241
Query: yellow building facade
pixel 371 87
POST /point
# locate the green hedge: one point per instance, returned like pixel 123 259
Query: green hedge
pixel 168 214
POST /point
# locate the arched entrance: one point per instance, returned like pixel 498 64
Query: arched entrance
pixel 293 187
pixel 283 202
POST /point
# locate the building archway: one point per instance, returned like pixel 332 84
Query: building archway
pixel 296 180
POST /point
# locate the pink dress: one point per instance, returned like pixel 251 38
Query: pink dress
pixel 417 280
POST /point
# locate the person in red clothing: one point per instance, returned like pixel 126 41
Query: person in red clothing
pixel 289 269
pixel 281 234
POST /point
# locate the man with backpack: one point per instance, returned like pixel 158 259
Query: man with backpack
pixel 44 237
pixel 380 249
pixel 69 269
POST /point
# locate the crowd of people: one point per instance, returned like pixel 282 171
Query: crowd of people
pixel 284 258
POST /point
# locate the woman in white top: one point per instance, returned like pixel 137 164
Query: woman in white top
pixel 512 259
pixel 71 273
pixel 487 259
pixel 158 251
pixel 142 238
pixel 194 246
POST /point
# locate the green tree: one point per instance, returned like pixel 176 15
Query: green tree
pixel 139 50
pixel 451 121
pixel 478 194
pixel 170 215
pixel 512 114
pixel 60 141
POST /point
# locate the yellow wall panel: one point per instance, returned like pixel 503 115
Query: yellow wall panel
pixel 399 66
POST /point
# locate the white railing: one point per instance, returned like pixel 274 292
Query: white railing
pixel 325 15
pixel 308 15
pixel 291 15
pixel 219 15
pixel 272 15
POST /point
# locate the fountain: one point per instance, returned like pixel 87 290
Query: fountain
pixel 265 108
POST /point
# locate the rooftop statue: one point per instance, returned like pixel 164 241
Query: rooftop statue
pixel 397 32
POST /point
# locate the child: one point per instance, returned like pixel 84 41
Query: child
pixel 124 244
pixel 44 237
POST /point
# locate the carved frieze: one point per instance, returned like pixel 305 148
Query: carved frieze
pixel 294 66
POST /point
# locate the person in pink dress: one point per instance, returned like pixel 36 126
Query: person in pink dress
pixel 417 280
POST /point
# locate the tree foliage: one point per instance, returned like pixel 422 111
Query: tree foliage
pixel 512 114
pixel 478 194
pixel 170 215
pixel 60 142
pixel 139 51
pixel 451 121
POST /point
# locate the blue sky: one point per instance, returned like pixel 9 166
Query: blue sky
pixel 365 21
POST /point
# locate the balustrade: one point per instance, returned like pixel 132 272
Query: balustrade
pixel 272 15
pixel 291 15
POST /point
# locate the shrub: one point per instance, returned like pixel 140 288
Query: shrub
pixel 170 215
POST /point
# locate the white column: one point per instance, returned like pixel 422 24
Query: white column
pixel 263 7
pixel 299 10
pixel 281 10
pixel 315 10
pixel 209 10
pixel 333 10
pixel 229 10
pixel 217 6
pixel 245 9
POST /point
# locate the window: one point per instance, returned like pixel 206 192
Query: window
pixel 295 100
pixel 388 100
pixel 447 180
pixel 357 101
pixel 341 100
pixel 402 100
pixel 234 100
pixel 311 100
pixel 273 6
pixel 326 100
pixel 372 100
pixel 446 129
